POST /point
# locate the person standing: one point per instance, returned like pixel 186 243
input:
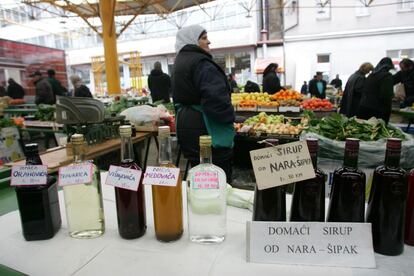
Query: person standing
pixel 44 92
pixel 15 90
pixel 159 84
pixel 201 93
pixel 353 90
pixel 337 82
pixel 304 88
pixel 58 89
pixel 251 86
pixel 406 77
pixel 271 82
pixel 378 92
pixel 80 90
pixel 3 90
pixel 317 86
pixel 233 84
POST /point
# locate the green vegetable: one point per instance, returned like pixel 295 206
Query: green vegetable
pixel 45 112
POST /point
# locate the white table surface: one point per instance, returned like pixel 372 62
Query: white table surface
pixel 111 255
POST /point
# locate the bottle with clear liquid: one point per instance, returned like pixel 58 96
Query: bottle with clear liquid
pixel 167 201
pixel 347 199
pixel 83 202
pixel 38 205
pixel 386 204
pixel 270 204
pixel 130 205
pixel 206 195
pixel 308 202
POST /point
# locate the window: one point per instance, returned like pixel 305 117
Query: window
pixel 405 5
pixel 361 8
pixel 323 9
pixel 323 58
pixel 400 54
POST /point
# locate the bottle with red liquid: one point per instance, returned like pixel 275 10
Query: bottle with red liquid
pixel 386 204
pixel 270 204
pixel 308 202
pixel 347 199
pixel 130 205
pixel 409 212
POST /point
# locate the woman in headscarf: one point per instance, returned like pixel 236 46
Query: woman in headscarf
pixel 271 82
pixel 201 94
pixel 80 90
pixel 378 92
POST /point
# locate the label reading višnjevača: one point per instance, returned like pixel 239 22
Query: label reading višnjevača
pixel 161 176
pixel 28 175
pixel 123 178
pixel 75 174
pixel 281 165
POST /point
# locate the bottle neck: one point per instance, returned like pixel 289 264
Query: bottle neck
pixel 164 153
pixel 78 153
pixel 392 158
pixel 127 151
pixel 205 155
pixel 351 159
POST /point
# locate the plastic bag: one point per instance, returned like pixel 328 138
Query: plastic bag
pixel 142 115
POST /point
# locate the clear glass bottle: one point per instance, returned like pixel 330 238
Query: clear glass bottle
pixel 347 199
pixel 38 205
pixel 130 205
pixel 386 204
pixel 270 204
pixel 409 212
pixel 206 197
pixel 167 201
pixel 83 202
pixel 308 202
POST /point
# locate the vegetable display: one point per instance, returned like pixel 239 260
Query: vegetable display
pixel 45 112
pixel 317 104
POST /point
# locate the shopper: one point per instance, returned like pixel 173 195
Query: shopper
pixel 337 82
pixel 233 84
pixel 271 82
pixel 58 89
pixel 201 93
pixel 406 77
pixel 3 90
pixel 353 90
pixel 159 84
pixel 378 92
pixel 80 90
pixel 304 88
pixel 251 86
pixel 44 92
pixel 15 90
pixel 317 86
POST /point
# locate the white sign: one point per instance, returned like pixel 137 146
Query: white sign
pixel 281 165
pixel 75 174
pixel 310 243
pixel 123 178
pixel 289 109
pixel 162 176
pixel 28 175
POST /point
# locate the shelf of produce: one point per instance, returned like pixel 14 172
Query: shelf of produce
pixel 19 111
pixel 21 106
pixel 243 115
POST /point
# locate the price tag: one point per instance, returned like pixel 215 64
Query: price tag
pixel 162 176
pixel 310 243
pixel 205 180
pixel 281 165
pixel 289 109
pixel 75 175
pixel 123 178
pixel 28 175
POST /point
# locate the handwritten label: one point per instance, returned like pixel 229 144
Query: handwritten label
pixel 123 178
pixel 75 175
pixel 205 180
pixel 28 175
pixel 162 176
pixel 281 165
pixel 289 109
pixel 310 243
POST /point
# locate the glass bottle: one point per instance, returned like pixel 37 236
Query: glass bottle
pixel 347 199
pixel 386 204
pixel 130 205
pixel 270 204
pixel 83 202
pixel 38 205
pixel 308 202
pixel 409 212
pixel 167 201
pixel 206 195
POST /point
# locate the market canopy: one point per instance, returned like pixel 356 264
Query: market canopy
pixel 107 10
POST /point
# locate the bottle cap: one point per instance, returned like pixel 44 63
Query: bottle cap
pixel 31 148
pixel 352 144
pixel 164 131
pixel 77 139
pixel 205 140
pixel 125 131
pixel 394 143
pixel 312 144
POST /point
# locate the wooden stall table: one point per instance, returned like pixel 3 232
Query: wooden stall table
pixel 48 128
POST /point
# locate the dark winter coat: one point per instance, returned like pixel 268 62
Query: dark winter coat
pixel 271 83
pixel 407 79
pixel 44 92
pixel 337 83
pixel 251 87
pixel 159 83
pixel 58 89
pixel 15 90
pixel 313 89
pixel 83 91
pixel 352 94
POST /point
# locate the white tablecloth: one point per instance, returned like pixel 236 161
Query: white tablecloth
pixel 111 255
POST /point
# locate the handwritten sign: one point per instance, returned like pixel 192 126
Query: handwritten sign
pixel 28 175
pixel 205 180
pixel 75 174
pixel 310 243
pixel 281 165
pixel 123 178
pixel 162 176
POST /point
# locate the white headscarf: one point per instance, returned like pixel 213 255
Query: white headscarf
pixel 188 35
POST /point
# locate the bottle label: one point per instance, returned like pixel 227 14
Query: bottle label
pixel 75 174
pixel 123 178
pixel 162 176
pixel 28 175
pixel 205 180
